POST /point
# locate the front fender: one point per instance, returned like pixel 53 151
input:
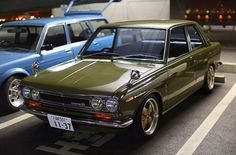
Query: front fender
pixel 131 104
pixel 4 76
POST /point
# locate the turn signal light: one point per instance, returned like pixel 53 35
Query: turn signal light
pixel 34 104
pixel 104 116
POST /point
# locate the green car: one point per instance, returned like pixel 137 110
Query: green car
pixel 127 75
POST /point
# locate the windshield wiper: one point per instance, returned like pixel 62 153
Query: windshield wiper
pixel 100 54
pixel 140 56
pixel 137 56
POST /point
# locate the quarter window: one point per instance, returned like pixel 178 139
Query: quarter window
pixel 79 32
pixel 178 42
pixel 195 38
pixel 56 36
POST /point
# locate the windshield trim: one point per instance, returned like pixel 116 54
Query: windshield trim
pixel 117 29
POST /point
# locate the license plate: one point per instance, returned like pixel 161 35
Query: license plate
pixel 60 122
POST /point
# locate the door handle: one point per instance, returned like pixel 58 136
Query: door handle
pixel 172 74
pixel 68 50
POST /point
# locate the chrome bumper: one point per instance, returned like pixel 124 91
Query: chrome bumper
pixel 115 124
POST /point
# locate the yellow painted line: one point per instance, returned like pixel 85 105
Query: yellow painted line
pixel 195 140
pixel 14 121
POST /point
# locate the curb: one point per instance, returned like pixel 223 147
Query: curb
pixel 224 68
pixel 219 78
pixel 227 68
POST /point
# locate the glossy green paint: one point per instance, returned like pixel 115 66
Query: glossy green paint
pixel 171 82
pixel 159 24
pixel 99 77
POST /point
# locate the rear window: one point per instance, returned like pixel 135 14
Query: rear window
pixel 24 37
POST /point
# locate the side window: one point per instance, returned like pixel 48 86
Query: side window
pixel 33 36
pixel 196 40
pixel 23 35
pixel 55 36
pixel 97 23
pixel 79 31
pixel 178 42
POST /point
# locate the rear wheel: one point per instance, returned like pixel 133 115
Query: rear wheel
pixel 147 118
pixel 11 94
pixel 209 81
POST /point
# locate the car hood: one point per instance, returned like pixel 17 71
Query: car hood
pixel 102 77
pixel 9 56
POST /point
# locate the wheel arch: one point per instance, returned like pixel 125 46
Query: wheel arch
pixel 13 72
pixel 156 94
pixel 138 130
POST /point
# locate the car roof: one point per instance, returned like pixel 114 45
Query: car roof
pixel 55 20
pixel 163 24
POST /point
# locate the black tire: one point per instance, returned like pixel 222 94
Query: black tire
pixel 10 94
pixel 209 80
pixel 147 118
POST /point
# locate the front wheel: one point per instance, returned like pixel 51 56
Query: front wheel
pixel 11 94
pixel 147 118
pixel 209 81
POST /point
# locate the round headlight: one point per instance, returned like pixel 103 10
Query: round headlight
pixel 35 94
pixel 112 105
pixel 26 92
pixel 97 103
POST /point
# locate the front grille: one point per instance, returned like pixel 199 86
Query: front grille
pixel 68 103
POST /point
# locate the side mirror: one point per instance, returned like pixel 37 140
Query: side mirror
pixel 47 47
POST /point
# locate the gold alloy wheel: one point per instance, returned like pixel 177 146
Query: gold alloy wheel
pixel 14 93
pixel 150 115
pixel 211 77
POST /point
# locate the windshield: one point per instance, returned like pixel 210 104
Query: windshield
pixel 22 37
pixel 128 43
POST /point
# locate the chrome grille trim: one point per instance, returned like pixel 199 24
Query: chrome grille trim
pixel 59 101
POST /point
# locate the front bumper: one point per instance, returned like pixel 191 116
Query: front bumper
pixel 90 122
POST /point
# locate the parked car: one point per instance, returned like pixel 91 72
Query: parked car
pixel 128 73
pixel 40 43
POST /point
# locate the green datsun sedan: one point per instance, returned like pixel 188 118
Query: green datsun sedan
pixel 128 74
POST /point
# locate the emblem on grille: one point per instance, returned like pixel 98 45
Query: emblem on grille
pixel 78 104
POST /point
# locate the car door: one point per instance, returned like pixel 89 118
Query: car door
pixel 180 72
pixel 198 54
pixel 55 48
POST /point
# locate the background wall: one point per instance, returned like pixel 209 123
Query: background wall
pixel 128 10
pixel 178 8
